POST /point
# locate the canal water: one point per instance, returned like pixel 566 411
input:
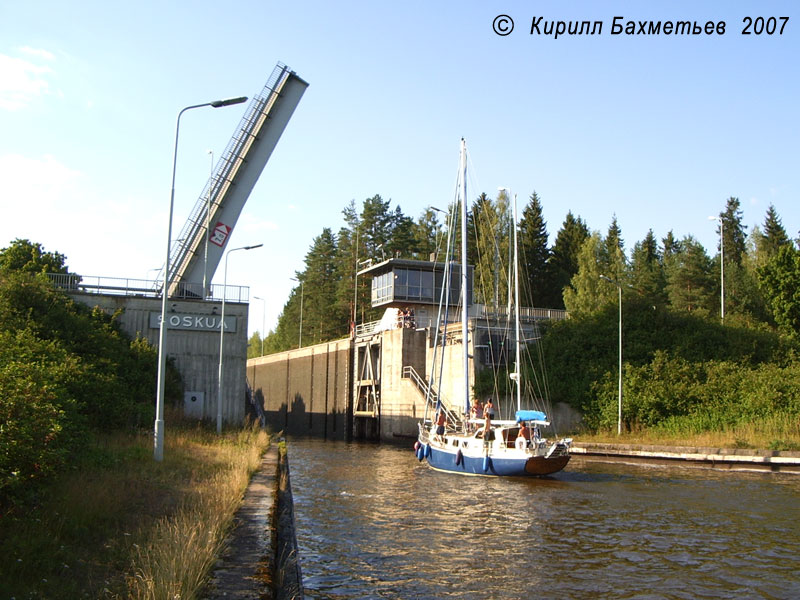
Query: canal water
pixel 373 522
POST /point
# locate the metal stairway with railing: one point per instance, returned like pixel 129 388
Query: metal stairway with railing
pixel 199 247
pixel 433 397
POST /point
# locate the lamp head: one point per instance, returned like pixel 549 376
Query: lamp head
pixel 228 101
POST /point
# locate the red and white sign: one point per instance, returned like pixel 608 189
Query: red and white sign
pixel 220 234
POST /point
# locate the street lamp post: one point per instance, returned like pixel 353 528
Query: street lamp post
pixel 355 288
pixel 263 320
pixel 619 412
pixel 222 333
pixel 208 232
pixel 721 269
pixel 302 293
pixel 158 433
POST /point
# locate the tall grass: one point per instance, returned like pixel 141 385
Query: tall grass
pixel 774 432
pixel 120 525
pixel 181 548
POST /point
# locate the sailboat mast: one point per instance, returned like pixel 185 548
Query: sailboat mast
pixel 516 306
pixel 464 291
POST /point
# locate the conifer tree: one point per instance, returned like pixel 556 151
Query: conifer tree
pixel 647 270
pixel 587 291
pixel 321 321
pixel 734 233
pixel 613 252
pixel 780 281
pixel 427 232
pixel 488 249
pixel 564 259
pixel 689 281
pixel 534 256
pixel 773 237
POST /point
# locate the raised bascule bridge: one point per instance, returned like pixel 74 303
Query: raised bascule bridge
pixel 194 304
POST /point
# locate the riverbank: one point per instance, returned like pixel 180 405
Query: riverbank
pixel 260 556
pixel 733 459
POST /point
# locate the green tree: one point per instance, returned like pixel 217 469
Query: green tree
pixel 780 281
pixel 254 345
pixel 587 292
pixel 64 367
pixel 376 226
pixel 773 238
pixel 564 261
pixel 613 253
pixel 689 281
pixel 403 241
pixel 734 233
pixel 24 256
pixel 348 252
pixel 488 248
pixel 534 256
pixel 427 233
pixel 647 271
pixel 320 322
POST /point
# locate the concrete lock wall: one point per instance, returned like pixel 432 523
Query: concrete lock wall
pixel 311 391
pixel 305 391
pixel 402 404
pixel 193 343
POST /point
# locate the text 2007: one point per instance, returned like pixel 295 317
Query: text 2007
pixel 760 25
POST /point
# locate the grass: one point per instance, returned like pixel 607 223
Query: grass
pixel 120 525
pixel 780 432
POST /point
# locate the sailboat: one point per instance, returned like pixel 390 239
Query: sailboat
pixel 453 442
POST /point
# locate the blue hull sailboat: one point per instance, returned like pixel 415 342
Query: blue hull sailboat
pixel 451 441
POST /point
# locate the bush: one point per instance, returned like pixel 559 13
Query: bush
pixel 582 353
pixel 678 396
pixel 63 367
pixel 39 418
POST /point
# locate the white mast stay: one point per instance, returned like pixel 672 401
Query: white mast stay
pixel 517 378
pixel 464 290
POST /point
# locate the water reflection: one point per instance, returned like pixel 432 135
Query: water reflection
pixel 375 523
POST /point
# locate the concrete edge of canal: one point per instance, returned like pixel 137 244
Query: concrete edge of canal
pixel 733 459
pixel 260 556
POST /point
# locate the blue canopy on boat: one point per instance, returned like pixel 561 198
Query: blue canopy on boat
pixel 530 415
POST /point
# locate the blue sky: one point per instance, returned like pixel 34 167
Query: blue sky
pixel 657 130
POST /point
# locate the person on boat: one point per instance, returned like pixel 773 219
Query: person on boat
pixel 441 420
pixel 489 409
pixel 476 412
pixel 524 436
pixel 487 426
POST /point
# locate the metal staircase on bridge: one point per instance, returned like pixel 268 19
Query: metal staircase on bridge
pixel 433 397
pixel 214 216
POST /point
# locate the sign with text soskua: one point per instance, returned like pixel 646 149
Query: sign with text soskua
pixel 193 321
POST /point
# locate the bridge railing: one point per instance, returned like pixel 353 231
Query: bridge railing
pixel 215 190
pixel 118 286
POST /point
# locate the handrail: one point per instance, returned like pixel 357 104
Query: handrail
pixel 233 156
pixel 119 286
pixel 432 395
pixel 526 314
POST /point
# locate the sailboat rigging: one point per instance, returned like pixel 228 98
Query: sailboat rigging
pixel 494 447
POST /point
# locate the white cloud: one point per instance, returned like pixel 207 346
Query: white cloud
pixel 38 52
pixel 37 181
pixel 48 202
pixel 21 81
